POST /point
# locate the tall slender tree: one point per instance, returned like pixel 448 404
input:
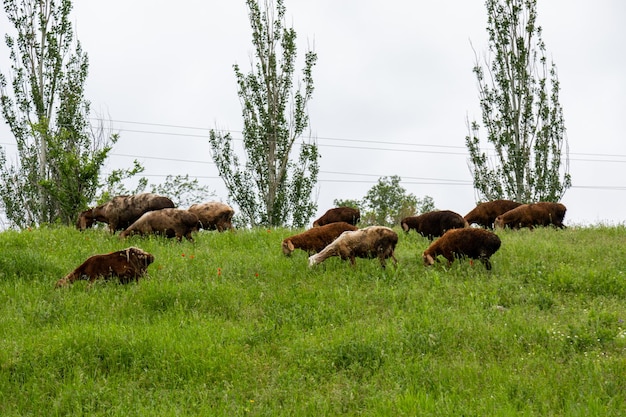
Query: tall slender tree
pixel 59 153
pixel 519 100
pixel 271 188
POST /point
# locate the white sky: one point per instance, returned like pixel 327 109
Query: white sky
pixel 393 88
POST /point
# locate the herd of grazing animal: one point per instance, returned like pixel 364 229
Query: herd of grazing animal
pixel 143 214
pixel 333 234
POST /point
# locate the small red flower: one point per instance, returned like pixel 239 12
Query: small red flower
pixel 219 271
pixel 183 255
pixel 256 274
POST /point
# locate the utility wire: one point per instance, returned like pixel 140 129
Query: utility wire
pixel 433 181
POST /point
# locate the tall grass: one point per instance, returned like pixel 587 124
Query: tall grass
pixel 229 326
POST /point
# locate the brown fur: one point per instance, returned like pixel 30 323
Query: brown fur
pixel 169 222
pixel 531 215
pixel 128 264
pixel 434 223
pixel 484 214
pixel 469 242
pixel 213 216
pixel 340 214
pixel 315 239
pixel 121 211
pixel 369 242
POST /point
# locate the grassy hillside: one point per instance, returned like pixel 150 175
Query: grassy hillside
pixel 229 326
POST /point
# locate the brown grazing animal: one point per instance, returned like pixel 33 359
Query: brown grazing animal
pixel 169 222
pixel 339 214
pixel 315 239
pixel 484 214
pixel 533 214
pixel 213 216
pixel 128 264
pixel 469 242
pixel 121 211
pixel 434 223
pixel 369 242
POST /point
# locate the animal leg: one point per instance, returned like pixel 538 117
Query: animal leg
pixel 487 263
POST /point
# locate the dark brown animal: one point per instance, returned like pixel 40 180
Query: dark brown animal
pixel 532 215
pixel 484 214
pixel 369 242
pixel 121 211
pixel 213 216
pixel 469 242
pixel 339 214
pixel 128 264
pixel 434 223
pixel 556 211
pixel 315 239
pixel 169 222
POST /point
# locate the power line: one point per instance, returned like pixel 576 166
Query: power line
pixel 335 139
pixel 426 181
pixel 350 147
pixel 325 138
pixel 163 158
pixel 366 141
pixel 316 137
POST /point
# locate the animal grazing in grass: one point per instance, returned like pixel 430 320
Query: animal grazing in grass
pixel 339 214
pixel 128 265
pixel 121 211
pixel 213 216
pixel 533 214
pixel 484 214
pixel 315 239
pixel 434 223
pixel 369 242
pixel 474 243
pixel 168 222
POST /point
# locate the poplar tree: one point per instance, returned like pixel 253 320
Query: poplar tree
pixel 519 100
pixel 59 153
pixel 271 187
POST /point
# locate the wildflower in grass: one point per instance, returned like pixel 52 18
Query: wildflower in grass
pixel 256 274
pixel 183 255
pixel 219 271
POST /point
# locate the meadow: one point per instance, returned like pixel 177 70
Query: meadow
pixel 229 326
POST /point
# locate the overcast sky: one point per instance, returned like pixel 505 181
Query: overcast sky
pixel 393 88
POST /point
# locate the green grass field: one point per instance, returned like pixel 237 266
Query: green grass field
pixel 228 326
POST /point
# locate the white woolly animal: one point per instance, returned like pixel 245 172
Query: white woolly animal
pixel 369 242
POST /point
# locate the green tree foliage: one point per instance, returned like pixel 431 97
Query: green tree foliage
pixel 347 203
pixel 387 202
pixel 59 154
pixel 519 100
pixel 183 191
pixel 270 188
pixel 115 183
